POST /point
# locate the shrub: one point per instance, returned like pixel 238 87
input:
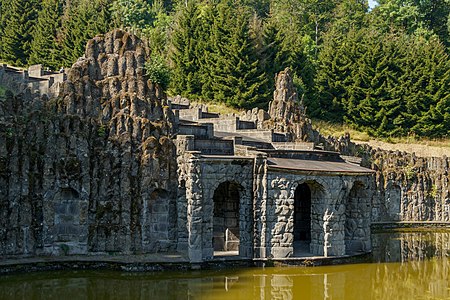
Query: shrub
pixel 157 71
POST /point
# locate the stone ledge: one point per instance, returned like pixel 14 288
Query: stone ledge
pixel 313 261
pixel 161 262
pixel 409 224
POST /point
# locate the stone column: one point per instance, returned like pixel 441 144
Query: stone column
pixel 260 206
pixel 334 220
pixel 194 199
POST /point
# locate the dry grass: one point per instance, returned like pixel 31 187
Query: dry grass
pixel 422 147
pixel 337 130
pixel 218 108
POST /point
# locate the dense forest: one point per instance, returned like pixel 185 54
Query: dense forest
pixel 384 70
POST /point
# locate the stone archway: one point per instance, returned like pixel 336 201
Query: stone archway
pixel 226 219
pixel 308 197
pixel 302 217
pixel 356 219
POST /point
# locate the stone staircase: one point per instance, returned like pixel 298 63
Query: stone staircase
pixel 218 134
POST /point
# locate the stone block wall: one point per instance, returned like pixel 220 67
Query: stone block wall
pixel 337 214
pixel 202 177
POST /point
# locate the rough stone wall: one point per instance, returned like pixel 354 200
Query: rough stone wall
pixel 411 188
pixel 331 198
pixel 93 170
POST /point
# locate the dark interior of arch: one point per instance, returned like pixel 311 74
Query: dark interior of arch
pixel 302 213
pixel 226 217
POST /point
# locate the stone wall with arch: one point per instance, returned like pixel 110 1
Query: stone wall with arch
pixel 329 197
pixel 205 176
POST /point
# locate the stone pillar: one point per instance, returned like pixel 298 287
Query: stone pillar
pixel 260 206
pixel 194 198
pixel 246 223
pixel 185 143
pixel 334 220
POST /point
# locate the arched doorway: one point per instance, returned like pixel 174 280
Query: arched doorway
pixel 226 223
pixel 302 219
pixel 357 215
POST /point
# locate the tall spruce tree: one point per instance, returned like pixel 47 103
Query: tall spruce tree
pixel 236 78
pixel 185 51
pixel 44 48
pixel 82 20
pixel 387 84
pixel 19 18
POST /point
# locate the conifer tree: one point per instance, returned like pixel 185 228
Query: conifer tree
pixel 19 18
pixel 44 48
pixel 236 78
pixel 185 51
pixel 82 20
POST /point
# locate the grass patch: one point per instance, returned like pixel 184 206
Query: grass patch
pixel 218 108
pixel 420 146
pixel 335 129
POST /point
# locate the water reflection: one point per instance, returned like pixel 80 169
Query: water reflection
pixel 421 271
pixel 406 246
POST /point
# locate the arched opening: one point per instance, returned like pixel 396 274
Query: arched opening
pixel 226 225
pixel 393 196
pixel 67 215
pixel 356 220
pixel 302 219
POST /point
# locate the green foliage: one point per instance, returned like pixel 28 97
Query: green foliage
pixel 44 47
pixel 388 84
pixel 157 71
pixel 384 71
pixel 101 130
pixel 186 51
pixel 82 20
pixel 135 14
pixel 214 55
pixel 18 18
pixel 234 76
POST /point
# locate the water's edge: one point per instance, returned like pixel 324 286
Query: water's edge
pixel 176 262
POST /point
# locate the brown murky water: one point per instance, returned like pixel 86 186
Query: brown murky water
pixel 406 266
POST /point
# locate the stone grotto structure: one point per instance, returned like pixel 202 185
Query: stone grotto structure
pixel 111 166
pixel 256 192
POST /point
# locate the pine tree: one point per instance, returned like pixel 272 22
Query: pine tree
pixel 19 18
pixel 185 52
pixel 44 48
pixel 236 78
pixel 81 21
pixel 2 24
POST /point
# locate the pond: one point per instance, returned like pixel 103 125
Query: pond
pixel 406 265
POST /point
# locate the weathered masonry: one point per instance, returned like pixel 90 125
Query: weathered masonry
pixel 110 166
pixel 272 204
pixel 248 190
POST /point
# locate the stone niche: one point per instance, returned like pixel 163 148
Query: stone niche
pixel 157 221
pixel 226 217
pixel 393 196
pixel 69 224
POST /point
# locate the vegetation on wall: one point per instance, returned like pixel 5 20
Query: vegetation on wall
pixel 383 70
